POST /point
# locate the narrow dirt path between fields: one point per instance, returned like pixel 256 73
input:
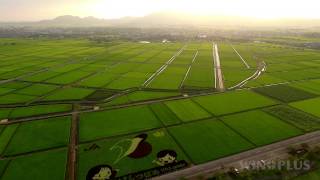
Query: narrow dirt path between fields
pixel 72 151
pixel 187 73
pixel 163 67
pixel 219 84
pixel 244 61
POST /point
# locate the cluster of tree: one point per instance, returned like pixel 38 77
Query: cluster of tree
pixel 107 34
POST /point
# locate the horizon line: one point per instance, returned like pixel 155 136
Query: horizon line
pixel 167 12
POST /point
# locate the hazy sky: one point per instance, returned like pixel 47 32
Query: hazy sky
pixel 17 10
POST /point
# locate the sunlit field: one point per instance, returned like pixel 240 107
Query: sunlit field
pixel 164 92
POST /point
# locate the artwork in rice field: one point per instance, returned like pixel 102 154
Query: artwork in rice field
pixel 120 158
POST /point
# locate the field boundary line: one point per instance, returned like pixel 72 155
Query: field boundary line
pixel 9 141
pixel 237 132
pixel 132 70
pixel 131 89
pixel 180 121
pixel 61 87
pixel 203 108
pixel 131 133
pixel 5 169
pixel 261 68
pixel 163 67
pixel 74 83
pixel 169 133
pixel 46 69
pixel 173 125
pixel 30 153
pixel 187 73
pixel 96 74
pixel 218 118
pixel 108 108
pixel 218 164
pixel 283 120
pixel 243 60
pixel 62 64
pixel 81 101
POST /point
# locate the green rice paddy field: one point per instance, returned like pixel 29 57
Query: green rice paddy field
pixel 131 101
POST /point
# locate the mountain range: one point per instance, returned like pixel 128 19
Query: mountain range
pixel 166 19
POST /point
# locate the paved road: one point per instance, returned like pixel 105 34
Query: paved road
pixel 257 153
pixel 219 84
pixel 260 69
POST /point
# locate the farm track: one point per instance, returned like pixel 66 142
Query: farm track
pixel 261 69
pixel 108 108
pixel 112 137
pixel 163 67
pixel 75 113
pixel 187 73
pixel 244 61
pixel 211 92
pixel 219 84
pixel 272 150
pixel 72 151
pixel 127 134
